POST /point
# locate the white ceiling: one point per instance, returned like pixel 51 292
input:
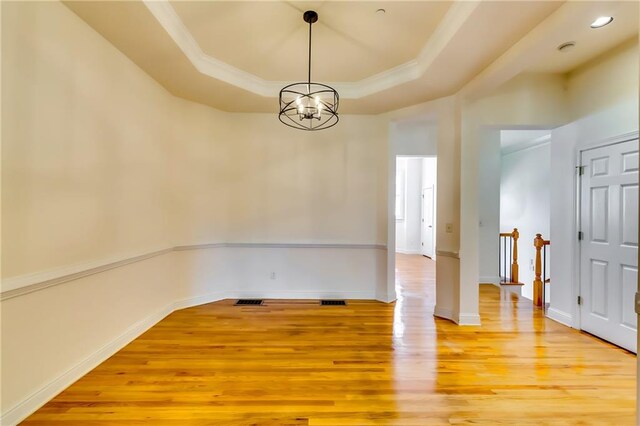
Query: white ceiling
pixel 235 56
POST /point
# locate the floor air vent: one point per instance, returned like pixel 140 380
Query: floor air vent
pixel 333 303
pixel 249 302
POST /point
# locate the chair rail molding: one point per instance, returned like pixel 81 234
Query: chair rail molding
pixel 25 284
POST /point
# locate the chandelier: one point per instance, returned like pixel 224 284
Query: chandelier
pixel 309 106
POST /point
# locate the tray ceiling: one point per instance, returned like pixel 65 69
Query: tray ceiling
pixel 235 56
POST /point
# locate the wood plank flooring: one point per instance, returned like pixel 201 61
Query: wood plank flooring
pixel 298 363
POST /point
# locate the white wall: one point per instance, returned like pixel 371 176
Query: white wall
pixel 524 203
pixel 604 100
pixel 489 163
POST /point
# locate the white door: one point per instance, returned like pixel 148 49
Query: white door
pixel 609 245
pixel 427 221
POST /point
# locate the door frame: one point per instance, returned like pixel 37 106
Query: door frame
pixel 422 224
pixel 577 250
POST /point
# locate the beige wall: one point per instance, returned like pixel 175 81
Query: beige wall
pixel 251 179
pixel 85 154
pixel 605 82
pixel 84 145
pixel 100 163
pixel 100 160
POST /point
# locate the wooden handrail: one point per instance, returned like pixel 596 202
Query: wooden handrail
pixel 538 284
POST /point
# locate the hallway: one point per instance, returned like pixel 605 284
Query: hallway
pixel 297 363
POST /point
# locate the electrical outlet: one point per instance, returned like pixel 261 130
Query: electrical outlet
pixel 449 228
pixel 273 275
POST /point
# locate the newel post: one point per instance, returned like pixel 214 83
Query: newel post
pixel 514 267
pixel 538 243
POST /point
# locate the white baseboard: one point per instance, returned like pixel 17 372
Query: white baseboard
pixel 404 251
pixel 559 316
pixel 253 294
pixel 490 280
pixel 199 300
pixel 515 289
pixel 445 313
pixel 36 400
pixel 468 319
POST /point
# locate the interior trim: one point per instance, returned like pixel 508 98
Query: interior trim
pixel 25 284
pixel 282 246
pixel 560 316
pixel 468 319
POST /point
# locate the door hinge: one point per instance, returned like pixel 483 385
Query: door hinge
pixel 579 300
pixel 580 235
pixel 580 170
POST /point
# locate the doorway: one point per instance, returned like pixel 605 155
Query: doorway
pixel 609 242
pixel 415 220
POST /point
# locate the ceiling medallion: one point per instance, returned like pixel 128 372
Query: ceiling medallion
pixel 309 106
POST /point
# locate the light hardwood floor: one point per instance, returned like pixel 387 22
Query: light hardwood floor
pixel 297 363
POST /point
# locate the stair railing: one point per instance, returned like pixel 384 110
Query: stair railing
pixel 508 249
pixel 540 282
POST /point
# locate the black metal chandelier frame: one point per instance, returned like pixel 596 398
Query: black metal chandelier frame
pixel 307 105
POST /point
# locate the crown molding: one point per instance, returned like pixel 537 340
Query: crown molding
pixel 454 19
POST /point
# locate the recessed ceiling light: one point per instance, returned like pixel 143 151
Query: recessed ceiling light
pixel 565 47
pixel 381 11
pixel 601 21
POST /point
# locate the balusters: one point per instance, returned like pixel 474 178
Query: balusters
pixel 509 271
